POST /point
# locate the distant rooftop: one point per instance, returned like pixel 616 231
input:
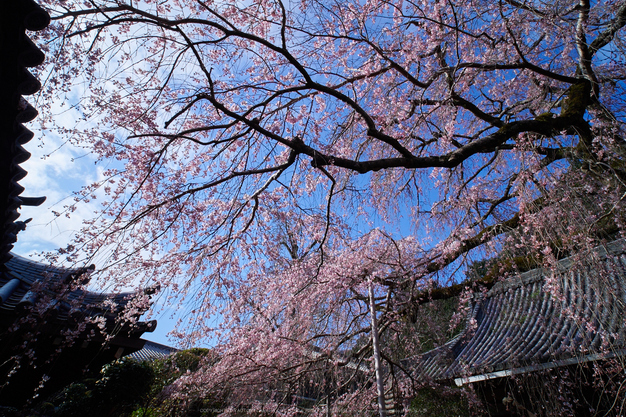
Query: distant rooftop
pixel 153 351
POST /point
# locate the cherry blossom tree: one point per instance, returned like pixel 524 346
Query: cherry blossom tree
pixel 267 161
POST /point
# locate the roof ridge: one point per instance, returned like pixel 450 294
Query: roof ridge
pixel 563 265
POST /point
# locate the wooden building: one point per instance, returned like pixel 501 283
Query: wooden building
pixel 52 330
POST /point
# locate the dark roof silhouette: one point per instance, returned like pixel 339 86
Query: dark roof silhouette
pixel 540 319
pixel 18 53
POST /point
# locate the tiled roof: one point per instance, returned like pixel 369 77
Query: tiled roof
pixel 51 328
pixel 539 319
pixel 26 281
pixel 153 351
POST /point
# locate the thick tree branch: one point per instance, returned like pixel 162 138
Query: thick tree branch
pixel 605 37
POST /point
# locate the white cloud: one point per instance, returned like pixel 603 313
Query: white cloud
pixel 56 170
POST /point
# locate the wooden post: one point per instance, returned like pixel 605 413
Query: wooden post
pixel 380 387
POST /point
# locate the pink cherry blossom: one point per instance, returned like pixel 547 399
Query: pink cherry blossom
pixel 265 161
